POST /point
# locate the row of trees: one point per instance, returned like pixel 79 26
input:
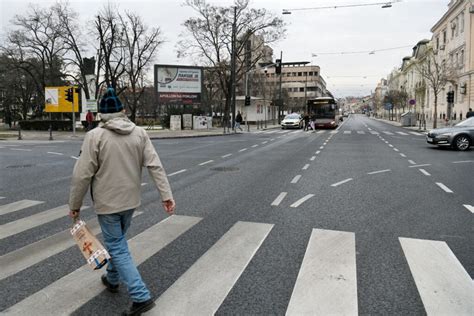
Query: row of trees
pixel 47 47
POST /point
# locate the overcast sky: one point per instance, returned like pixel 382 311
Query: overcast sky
pixel 309 32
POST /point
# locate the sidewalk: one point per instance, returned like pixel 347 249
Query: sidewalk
pixel 9 135
pixel 395 123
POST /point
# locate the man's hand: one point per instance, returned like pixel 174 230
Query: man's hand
pixel 169 206
pixel 74 214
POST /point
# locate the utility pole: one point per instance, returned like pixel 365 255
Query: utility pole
pixel 280 100
pixel 232 69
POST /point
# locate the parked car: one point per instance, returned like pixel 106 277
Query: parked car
pixel 292 121
pixel 459 136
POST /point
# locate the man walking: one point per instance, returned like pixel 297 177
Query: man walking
pixel 238 121
pixel 89 120
pixel 470 113
pixel 111 161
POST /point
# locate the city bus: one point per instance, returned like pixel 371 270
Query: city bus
pixel 324 112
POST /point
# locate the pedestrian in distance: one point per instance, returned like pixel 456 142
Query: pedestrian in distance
pixel 111 161
pixel 470 113
pixel 238 121
pixel 89 120
pixel 306 122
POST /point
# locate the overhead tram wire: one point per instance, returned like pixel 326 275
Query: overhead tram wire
pixel 370 52
pixel 386 4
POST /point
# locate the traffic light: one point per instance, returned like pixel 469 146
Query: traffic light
pixel 247 100
pixel 70 95
pixel 278 66
pixel 450 97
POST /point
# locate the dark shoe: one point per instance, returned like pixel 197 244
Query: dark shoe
pixel 110 287
pixel 139 308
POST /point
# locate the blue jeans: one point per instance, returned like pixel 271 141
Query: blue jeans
pixel 121 266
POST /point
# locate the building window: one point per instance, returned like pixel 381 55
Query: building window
pixel 461 58
pixel 310 73
pixel 437 42
pixel 300 74
pixel 302 89
pixel 461 22
pixel 305 73
pixel 315 73
pixel 444 37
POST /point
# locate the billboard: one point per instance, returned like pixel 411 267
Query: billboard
pixel 178 84
pixel 55 99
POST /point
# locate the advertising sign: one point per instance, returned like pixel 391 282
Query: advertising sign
pixel 178 84
pixel 175 122
pixel 187 121
pixel 91 105
pixel 202 122
pixel 55 99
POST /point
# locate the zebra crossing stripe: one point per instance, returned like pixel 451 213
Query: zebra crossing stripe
pixel 16 206
pixel 402 133
pixel 360 132
pixel 444 286
pixel 388 133
pixel 327 282
pixel 35 220
pixel 415 133
pixel 347 132
pixel 75 289
pixel 205 285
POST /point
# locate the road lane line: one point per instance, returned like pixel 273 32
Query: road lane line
pixel 17 206
pixel 327 280
pixel 396 149
pixel 305 167
pixel 426 173
pixel 424 165
pixel 144 183
pixel 177 172
pixel 243 149
pixel 317 152
pixel 445 188
pixel 55 153
pixel 347 132
pixel 143 246
pixel 412 162
pixel 225 156
pixel 360 132
pixel 322 147
pixel 380 171
pixel 206 162
pixel 445 287
pixel 20 149
pixel 402 133
pixel 302 200
pixel 341 182
pixel 205 285
pixel 296 179
pixel 403 155
pixel 256 145
pixel 279 198
pixel 415 133
pixel 74 157
pixel 263 143
pixel 464 161
pixel 312 158
pixel 272 139
pixel 21 225
pixel 469 207
pixel 319 132
pixel 390 145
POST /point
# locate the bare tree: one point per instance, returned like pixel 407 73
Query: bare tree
pixel 208 37
pixel 140 45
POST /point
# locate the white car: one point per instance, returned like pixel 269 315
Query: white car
pixel 292 121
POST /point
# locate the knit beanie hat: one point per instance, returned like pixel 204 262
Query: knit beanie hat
pixel 110 103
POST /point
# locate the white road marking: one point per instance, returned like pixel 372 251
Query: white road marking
pixel 214 274
pixel 16 206
pixel 412 162
pixel 243 149
pixel 388 133
pixel 206 162
pixel 322 147
pixel 143 246
pixel 228 155
pixel 374 133
pixel 144 183
pixel 20 149
pixel 445 188
pixel 341 182
pixel 390 145
pixel 444 286
pixel 317 152
pixel 395 149
pixel 296 179
pixel 327 280
pixel 403 155
pixel 312 158
pixel 347 132
pixel 256 145
pixel 319 132
pixel 305 167
pixel 415 133
pixel 333 132
pixel 74 157
pixel 272 139
pixel 426 173
pixel 263 143
pixel 279 198
pixel 464 161
pixel 302 200
pixel 55 153
pixel 360 132
pixel 380 171
pixel 424 165
pixel 177 172
pixel 402 133
pixel 469 207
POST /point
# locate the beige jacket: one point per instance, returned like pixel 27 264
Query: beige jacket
pixel 111 161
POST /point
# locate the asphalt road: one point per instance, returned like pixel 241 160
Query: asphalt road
pixel 366 219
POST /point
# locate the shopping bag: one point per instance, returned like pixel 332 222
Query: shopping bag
pixel 95 254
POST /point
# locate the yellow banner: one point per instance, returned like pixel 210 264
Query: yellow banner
pixel 55 99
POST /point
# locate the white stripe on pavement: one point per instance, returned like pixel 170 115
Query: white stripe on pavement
pixel 403 155
pixel 296 179
pixel 360 132
pixel 55 153
pixel 20 149
pixel 256 145
pixel 445 188
pixel 415 133
pixel 206 162
pixel 395 149
pixel 243 149
pixel 469 207
pixel 444 286
pixel 279 198
pixel 16 206
pixel 18 226
pixel 177 172
pixel 312 158
pixel 380 171
pixel 84 284
pixel 464 161
pixel 74 157
pixel 205 285
pixel 347 132
pixel 225 156
pixel 402 133
pixel 302 200
pixel 426 173
pixel 305 167
pixel 341 182
pixel 327 280
pixel 319 132
pixel 412 162
pixel 263 143
pixel 317 152
pixel 424 165
pixel 388 133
